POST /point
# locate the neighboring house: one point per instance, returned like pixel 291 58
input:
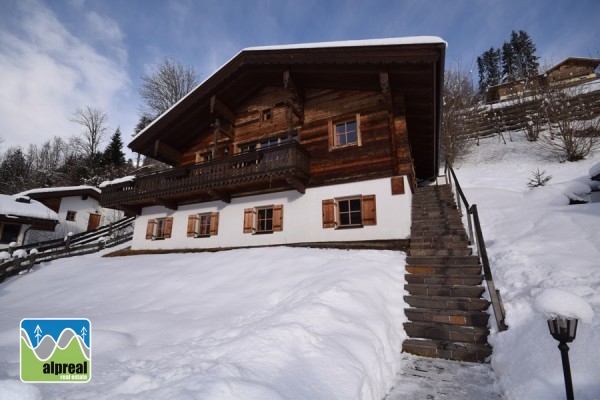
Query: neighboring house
pixel 292 144
pixel 569 72
pixel 77 207
pixel 19 215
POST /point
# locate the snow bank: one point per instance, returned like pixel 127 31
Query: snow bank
pixel 536 241
pixel 275 323
pixel 553 303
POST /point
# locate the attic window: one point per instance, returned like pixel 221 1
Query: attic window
pixel 266 115
pixel 71 215
pixel 23 199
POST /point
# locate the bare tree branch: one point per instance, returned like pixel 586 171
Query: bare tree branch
pixel 94 122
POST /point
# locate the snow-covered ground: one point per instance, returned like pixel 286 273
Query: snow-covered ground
pixel 286 323
pixel 537 241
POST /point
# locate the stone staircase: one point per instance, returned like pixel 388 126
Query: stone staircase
pixel 447 317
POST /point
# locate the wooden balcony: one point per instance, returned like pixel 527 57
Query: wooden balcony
pixel 273 169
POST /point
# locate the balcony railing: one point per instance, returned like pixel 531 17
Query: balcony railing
pixel 288 164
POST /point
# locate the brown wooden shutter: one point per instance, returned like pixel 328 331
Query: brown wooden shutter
pixel 168 227
pixel 369 211
pixel 150 229
pixel 278 218
pixel 329 213
pixel 214 223
pixel 248 220
pixel 397 185
pixel 191 228
pixel 358 133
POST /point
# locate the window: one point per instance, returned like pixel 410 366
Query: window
pixel 71 215
pixel 9 232
pixel 159 228
pixel 266 115
pixel 349 212
pixel 345 133
pixel 267 219
pixel 203 225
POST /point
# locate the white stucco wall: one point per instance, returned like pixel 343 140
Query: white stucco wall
pixel 83 208
pixel 302 218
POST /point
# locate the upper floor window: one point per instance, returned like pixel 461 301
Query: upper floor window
pixel 71 215
pixel 265 219
pixel 345 133
pixel 349 212
pixel 266 115
pixel 203 225
pixel 159 228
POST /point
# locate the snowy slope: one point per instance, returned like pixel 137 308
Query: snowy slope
pixel 284 323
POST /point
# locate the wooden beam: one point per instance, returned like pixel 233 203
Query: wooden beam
pixel 170 204
pixel 386 89
pixel 296 184
pixel 223 196
pixel 165 149
pixel 217 106
pixel 135 210
pixel 289 84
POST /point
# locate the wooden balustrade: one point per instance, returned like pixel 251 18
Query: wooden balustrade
pixel 231 174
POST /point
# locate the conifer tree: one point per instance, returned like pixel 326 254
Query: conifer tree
pixel 113 155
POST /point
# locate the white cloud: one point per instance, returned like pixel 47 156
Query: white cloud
pixel 48 72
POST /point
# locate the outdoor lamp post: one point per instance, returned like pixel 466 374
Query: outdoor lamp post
pixel 564 329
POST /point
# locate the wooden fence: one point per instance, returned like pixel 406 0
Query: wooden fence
pixel 26 256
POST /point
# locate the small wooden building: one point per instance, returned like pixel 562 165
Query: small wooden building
pixel 78 208
pixel 19 215
pixel 292 144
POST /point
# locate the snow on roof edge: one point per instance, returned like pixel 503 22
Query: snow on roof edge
pixel 344 43
pixel 58 189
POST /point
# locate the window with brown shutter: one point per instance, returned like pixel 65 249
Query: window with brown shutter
pixel 214 223
pixel 369 211
pixel 203 225
pixel 191 225
pixel 278 218
pixel 349 212
pixel 168 227
pixel 150 229
pixel 328 207
pixel 248 220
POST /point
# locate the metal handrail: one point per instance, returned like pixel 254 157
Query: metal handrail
pixel 477 239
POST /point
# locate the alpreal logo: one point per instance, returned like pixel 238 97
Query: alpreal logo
pixel 56 350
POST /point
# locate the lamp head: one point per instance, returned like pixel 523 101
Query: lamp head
pixel 563 329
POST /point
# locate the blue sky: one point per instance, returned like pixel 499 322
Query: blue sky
pixel 58 55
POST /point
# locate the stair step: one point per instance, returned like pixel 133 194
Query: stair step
pixel 453 317
pixel 444 290
pixel 421 244
pixel 470 352
pixel 433 279
pixel 471 270
pixel 447 303
pixel 467 260
pixel 458 238
pixel 440 252
pixel 454 333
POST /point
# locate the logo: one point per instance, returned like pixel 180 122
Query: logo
pixel 56 350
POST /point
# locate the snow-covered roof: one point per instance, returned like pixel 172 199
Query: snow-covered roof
pixel 65 189
pixel 11 208
pixel 594 172
pixel 355 43
pixel 124 179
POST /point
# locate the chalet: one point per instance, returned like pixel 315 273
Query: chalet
pixel 78 209
pixel 569 72
pixel 20 214
pixel 292 144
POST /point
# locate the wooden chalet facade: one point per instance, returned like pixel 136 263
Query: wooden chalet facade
pixel 569 72
pixel 292 144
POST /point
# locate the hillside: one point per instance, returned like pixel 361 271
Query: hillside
pixel 288 323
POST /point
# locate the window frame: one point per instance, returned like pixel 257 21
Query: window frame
pixel 333 136
pixel 71 216
pixel 253 220
pixel 196 228
pixel 331 212
pixel 159 228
